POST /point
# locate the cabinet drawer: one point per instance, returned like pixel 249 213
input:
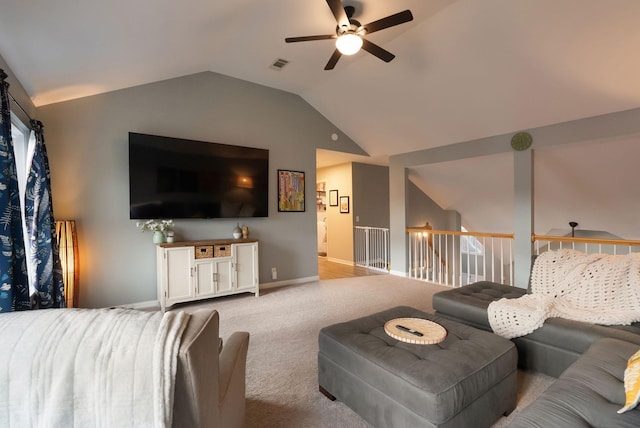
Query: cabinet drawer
pixel 204 251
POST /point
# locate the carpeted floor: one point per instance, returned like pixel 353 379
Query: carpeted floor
pixel 282 388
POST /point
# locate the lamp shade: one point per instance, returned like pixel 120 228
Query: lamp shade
pixel 348 44
pixel 68 252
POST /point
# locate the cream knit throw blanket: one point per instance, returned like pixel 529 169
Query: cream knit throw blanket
pixel 82 368
pixel 595 288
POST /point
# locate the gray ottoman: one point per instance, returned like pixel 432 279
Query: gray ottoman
pixel 469 379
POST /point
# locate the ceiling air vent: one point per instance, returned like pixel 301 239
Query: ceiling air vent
pixel 279 64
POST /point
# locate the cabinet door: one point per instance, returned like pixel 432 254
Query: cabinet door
pixel 246 257
pixel 178 272
pixel 205 278
pixel 224 275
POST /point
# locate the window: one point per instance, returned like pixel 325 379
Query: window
pixel 471 245
pixel 20 136
pixel 471 258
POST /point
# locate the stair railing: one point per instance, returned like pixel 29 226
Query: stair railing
pixel 542 243
pixel 442 256
pixel 456 258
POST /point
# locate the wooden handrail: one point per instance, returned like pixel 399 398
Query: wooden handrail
pixel 624 242
pixel 534 237
pixel 458 233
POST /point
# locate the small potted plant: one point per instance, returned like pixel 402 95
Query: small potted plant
pixel 157 227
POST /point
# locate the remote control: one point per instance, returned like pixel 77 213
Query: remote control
pixel 408 330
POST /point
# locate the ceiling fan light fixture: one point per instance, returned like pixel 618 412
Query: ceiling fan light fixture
pixel 349 44
pixel 350 33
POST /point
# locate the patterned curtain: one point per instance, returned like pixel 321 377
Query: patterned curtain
pixel 14 283
pixel 41 229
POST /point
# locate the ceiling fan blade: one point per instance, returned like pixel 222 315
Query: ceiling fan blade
pixel 389 21
pixel 309 38
pixel 338 12
pixel 333 60
pixel 376 50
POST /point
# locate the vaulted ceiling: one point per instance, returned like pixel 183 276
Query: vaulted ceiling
pixel 464 69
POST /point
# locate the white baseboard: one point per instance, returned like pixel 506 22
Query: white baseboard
pixel 344 262
pixel 263 286
pixel 398 273
pixel 275 284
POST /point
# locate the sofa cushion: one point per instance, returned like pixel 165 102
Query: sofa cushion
pixel 469 303
pixel 632 328
pixel 588 394
pixel 576 336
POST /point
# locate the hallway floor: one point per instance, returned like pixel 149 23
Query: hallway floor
pixel 333 270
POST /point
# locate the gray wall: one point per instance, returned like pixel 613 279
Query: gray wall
pixel 604 128
pixel 87 142
pixel 422 209
pixel 370 195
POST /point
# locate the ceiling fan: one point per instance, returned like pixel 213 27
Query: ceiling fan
pixel 350 33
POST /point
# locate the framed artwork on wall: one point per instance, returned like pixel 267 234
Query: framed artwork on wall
pixel 344 204
pixel 333 198
pixel 290 191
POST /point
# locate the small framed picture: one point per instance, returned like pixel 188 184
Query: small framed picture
pixel 290 191
pixel 333 198
pixel 344 204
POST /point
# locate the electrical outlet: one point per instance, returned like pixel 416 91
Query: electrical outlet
pixel 274 273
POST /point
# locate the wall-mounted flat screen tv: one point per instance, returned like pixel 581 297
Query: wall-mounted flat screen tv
pixel 172 178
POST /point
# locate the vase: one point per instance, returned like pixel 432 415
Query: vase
pixel 158 237
pixel 237 232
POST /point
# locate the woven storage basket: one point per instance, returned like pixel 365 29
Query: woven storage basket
pixel 204 252
pixel 222 251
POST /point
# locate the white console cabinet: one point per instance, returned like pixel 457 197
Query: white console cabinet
pixel 194 270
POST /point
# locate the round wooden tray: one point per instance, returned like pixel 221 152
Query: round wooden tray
pixel 432 332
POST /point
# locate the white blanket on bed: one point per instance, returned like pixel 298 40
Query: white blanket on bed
pixel 88 367
pixel 595 288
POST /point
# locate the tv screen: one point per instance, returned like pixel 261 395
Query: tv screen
pixel 176 178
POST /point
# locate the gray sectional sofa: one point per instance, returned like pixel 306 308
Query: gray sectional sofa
pixel 588 394
pixel 589 360
pixel 551 349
